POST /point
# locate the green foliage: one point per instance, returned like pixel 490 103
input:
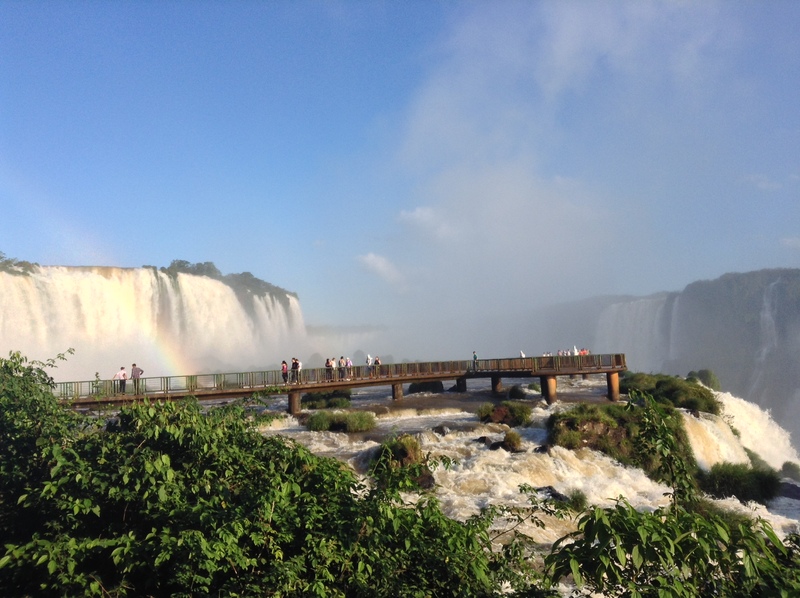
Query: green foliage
pixel 535 387
pixel 170 500
pixel 671 390
pixel 512 413
pixel 577 501
pixel 16 267
pixel 484 411
pixel 742 481
pixel 244 285
pixel 707 377
pixel 791 470
pixel 512 441
pixel 399 465
pixel 605 428
pixel 334 399
pixel 354 421
pixel 674 551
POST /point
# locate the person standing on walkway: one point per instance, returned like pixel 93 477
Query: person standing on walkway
pixel 121 376
pixel 284 371
pixel 474 361
pixel 136 373
pixel 295 369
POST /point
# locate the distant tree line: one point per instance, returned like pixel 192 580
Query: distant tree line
pixel 244 284
pixel 15 266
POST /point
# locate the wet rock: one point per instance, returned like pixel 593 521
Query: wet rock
pixel 552 493
pixel 441 430
pixel 789 489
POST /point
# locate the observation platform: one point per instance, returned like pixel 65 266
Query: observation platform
pixel 235 385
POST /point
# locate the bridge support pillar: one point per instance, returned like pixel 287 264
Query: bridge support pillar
pixel 461 385
pixel 612 383
pixel 584 376
pixel 294 402
pixel 497 385
pixel 397 392
pixel 548 384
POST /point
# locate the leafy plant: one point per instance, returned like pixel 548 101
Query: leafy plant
pixel 739 480
pixel 354 421
pixel 512 413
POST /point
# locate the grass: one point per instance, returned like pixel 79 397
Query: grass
pixel 355 421
pixel 511 413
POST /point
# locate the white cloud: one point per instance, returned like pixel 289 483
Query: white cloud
pixel 426 218
pixel 763 183
pixel 791 242
pixel 377 264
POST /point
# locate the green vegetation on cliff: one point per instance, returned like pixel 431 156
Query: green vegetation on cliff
pixel 15 266
pixel 169 500
pixel 245 284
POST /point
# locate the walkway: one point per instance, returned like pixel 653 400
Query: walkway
pixel 216 386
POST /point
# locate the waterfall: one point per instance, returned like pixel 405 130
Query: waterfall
pixel 768 339
pixel 114 317
pixel 639 328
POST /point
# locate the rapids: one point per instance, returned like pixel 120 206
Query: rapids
pixel 482 477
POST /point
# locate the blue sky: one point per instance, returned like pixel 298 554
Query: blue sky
pixel 391 159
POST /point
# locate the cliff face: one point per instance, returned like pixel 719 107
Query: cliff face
pixel 744 327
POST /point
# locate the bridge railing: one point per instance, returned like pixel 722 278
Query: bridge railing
pixel 254 381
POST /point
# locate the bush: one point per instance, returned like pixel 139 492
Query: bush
pixel 577 501
pixel 512 442
pixel 791 470
pixel 671 390
pixel 171 500
pixel 745 483
pixel 511 413
pixel 484 411
pixel 614 430
pixel 534 386
pixel 354 421
pixel 516 392
pixel 707 377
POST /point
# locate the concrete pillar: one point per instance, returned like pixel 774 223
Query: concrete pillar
pixel 397 391
pixel 461 385
pixel 612 383
pixel 548 384
pixel 294 402
pixel 497 385
pixel 585 376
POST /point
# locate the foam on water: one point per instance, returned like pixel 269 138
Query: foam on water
pixel 481 476
pixel 758 431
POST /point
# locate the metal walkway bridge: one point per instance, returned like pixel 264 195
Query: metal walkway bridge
pixel 216 386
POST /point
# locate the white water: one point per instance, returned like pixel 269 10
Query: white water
pixel 113 317
pixel 482 476
pixel 639 328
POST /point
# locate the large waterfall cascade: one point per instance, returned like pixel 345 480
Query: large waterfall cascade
pixel 113 317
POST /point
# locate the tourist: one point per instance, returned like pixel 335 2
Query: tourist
pixel 474 361
pixel 136 373
pixel 119 380
pixel 284 371
pixel 295 370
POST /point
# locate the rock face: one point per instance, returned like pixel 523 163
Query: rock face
pixel 744 327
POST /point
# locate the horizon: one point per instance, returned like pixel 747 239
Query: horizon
pixel 442 160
